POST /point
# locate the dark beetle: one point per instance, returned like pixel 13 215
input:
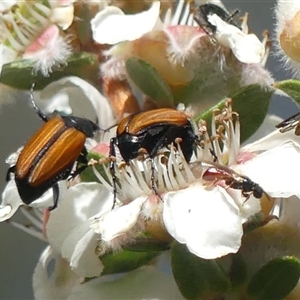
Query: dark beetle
pixel 290 123
pixel 153 130
pixel 50 154
pixel 203 11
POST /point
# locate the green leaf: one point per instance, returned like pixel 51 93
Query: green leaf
pixel 20 74
pixel 251 103
pixel 126 261
pixel 238 270
pixel 147 244
pixel 149 81
pixel 203 92
pixel 197 277
pixel 291 87
pixel 276 279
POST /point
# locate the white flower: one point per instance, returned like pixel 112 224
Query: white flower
pixel 269 163
pixel 4 5
pixel 112 26
pixel 209 222
pixel 246 47
pixel 60 282
pixel 68 227
pixel 48 49
pixel 54 284
pixel 31 29
pixel 191 211
pixel 68 95
pixel 143 283
pixel 181 53
pixel 11 200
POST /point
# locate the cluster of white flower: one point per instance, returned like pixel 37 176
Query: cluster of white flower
pixel 161 56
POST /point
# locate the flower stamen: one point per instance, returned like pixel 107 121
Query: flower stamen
pixel 35 226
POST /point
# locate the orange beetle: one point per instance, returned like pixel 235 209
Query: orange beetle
pixel 50 154
pixel 153 130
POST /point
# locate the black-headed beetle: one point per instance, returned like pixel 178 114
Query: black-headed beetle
pixel 50 154
pixel 202 13
pixel 290 123
pixel 153 130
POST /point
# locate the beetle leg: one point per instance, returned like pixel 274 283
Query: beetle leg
pixel 9 171
pixel 77 172
pixel 246 195
pixel 153 187
pixel 55 189
pixel 112 154
pixel 82 160
pixel 212 152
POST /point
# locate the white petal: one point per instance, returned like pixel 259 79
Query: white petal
pixel 80 203
pixel 79 249
pixel 270 141
pixel 11 201
pixel 52 283
pixel 265 131
pixel 75 95
pixel 112 26
pixel 143 283
pixel 62 16
pixel 6 5
pixel 246 208
pixel 207 221
pixel 290 212
pixel 7 55
pixel 46 200
pixel 119 220
pixel 275 170
pixel 85 261
pixel 247 48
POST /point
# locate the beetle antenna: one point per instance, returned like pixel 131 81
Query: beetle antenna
pixel 231 17
pixel 109 128
pixel 37 110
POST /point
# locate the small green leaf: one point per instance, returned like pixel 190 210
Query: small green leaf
pixel 202 92
pixel 276 279
pixel 251 103
pixel 238 270
pixel 20 74
pixel 125 261
pixel 291 87
pixel 149 81
pixel 197 277
pixel 147 245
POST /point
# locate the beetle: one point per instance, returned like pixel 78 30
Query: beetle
pixel 290 123
pixel 233 180
pixel 152 131
pixel 50 155
pixel 203 12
